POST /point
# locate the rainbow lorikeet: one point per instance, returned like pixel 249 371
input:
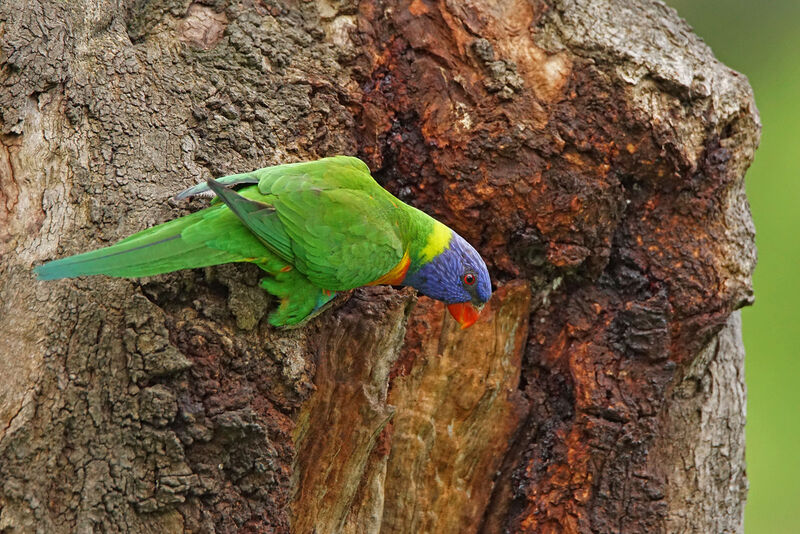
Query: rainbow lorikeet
pixel 316 228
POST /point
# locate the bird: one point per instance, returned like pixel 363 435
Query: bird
pixel 316 228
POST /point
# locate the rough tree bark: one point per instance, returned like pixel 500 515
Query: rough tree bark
pixel 593 150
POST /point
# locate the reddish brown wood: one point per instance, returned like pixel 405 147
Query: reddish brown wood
pixel 547 161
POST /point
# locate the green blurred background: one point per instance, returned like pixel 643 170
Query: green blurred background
pixel 762 40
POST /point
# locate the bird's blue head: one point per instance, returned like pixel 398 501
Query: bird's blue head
pixel 457 276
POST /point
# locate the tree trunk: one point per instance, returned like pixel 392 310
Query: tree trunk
pixel 594 152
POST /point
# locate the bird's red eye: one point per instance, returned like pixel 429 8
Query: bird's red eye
pixel 469 279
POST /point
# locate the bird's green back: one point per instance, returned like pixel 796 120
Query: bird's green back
pixel 344 229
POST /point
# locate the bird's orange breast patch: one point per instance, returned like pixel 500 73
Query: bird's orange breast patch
pixel 396 274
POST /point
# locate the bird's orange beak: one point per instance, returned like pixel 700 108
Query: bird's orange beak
pixel 465 313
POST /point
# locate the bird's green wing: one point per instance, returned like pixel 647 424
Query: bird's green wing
pixel 341 238
pixel 328 218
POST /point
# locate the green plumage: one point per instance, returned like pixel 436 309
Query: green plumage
pixel 315 228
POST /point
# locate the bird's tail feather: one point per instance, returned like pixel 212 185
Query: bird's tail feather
pixel 174 245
